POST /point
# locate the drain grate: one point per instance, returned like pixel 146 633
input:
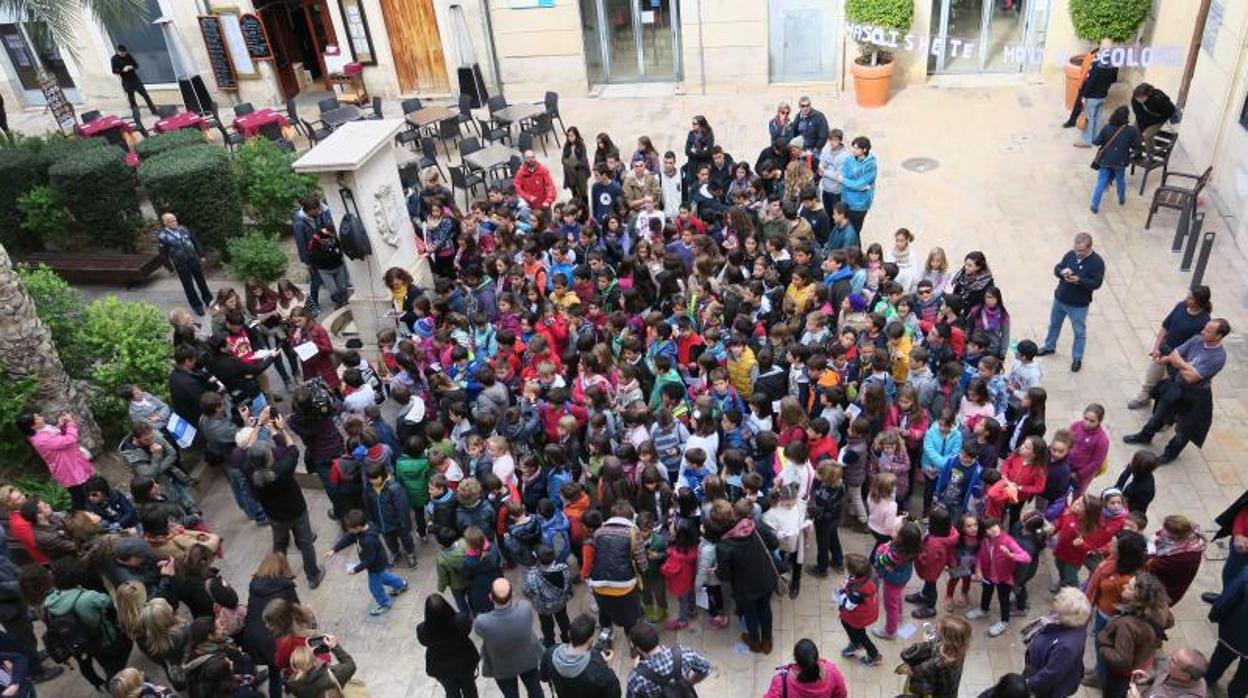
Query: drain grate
pixel 920 165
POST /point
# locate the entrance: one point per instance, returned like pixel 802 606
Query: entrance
pixel 20 48
pixel 299 31
pixel 804 40
pixel 987 36
pixel 631 40
pixel 416 46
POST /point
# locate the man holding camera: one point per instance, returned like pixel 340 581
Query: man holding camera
pixel 581 668
pixel 1080 272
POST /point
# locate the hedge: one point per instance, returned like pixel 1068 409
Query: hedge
pixel 162 142
pixel 97 188
pixel 1114 19
pixel 16 165
pixel 56 149
pixel 197 183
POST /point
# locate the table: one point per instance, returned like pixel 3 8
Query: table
pixel 249 125
pixel 491 156
pixel 177 122
pixel 429 116
pixel 103 125
pixel 518 112
pixel 342 115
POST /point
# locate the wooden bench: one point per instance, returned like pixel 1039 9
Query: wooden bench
pixel 116 268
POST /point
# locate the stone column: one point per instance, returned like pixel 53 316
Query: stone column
pixel 361 156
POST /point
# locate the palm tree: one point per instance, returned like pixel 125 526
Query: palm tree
pixel 57 21
pixel 27 351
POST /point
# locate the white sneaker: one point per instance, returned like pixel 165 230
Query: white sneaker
pixel 997 628
pixel 975 614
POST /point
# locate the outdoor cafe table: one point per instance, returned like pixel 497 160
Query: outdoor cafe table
pixel 422 118
pixel 179 121
pixel 489 157
pixel 103 125
pixel 250 124
pixel 342 115
pixel 518 112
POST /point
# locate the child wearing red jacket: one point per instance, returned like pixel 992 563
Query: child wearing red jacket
pixel 679 569
pixel 1082 530
pixel 999 556
pixel 859 609
pixel 938 546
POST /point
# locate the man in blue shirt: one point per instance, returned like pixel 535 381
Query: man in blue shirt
pixel 1079 273
pixel 605 195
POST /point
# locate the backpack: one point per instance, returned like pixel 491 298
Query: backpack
pixel 322 398
pixel 67 636
pixel 229 620
pixel 557 538
pixel 325 249
pixel 673 685
pixel 351 233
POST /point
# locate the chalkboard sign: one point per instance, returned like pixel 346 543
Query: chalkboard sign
pixel 60 107
pixel 256 37
pixel 218 54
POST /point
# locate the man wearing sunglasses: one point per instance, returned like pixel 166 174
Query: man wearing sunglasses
pixel 811 125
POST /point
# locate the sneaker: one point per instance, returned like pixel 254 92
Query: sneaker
pixel 976 614
pixel 676 624
pixel 794 591
pixel 1138 404
pixel 378 610
pixel 850 650
pixel 720 621
pixel 1166 458
pixel 923 612
pixel 1210 597
pixel 915 598
pixel 816 572
pixel 47 673
pixel 401 590
pixel 883 634
pixel 997 628
pixel 314 582
pixel 1044 351
pixel 872 660
pixel 1138 438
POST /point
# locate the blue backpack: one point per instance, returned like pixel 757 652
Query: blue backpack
pixel 555 534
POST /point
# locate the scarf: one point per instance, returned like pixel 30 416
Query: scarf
pixel 991 318
pixel 1166 545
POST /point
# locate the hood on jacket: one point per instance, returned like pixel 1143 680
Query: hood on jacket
pixel 743 529
pixel 270 587
pixel 568 663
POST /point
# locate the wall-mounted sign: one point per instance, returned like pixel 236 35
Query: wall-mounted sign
pixel 218 54
pixel 236 44
pixel 256 38
pixel 60 107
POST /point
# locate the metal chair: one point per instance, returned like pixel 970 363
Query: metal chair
pixel 376 109
pixel 538 126
pixel 243 108
pixel 552 112
pixel 89 116
pixel 429 155
pixel 164 111
pixel 328 104
pixel 407 138
pixel 411 105
pixel 469 145
pixel 465 112
pixel 447 131
pixel 505 173
pixel 524 142
pixel 492 131
pixel 1181 199
pixel 465 180
pixel 292 115
pixel 230 138
pixel 495 103
pixel 316 134
pixel 1163 146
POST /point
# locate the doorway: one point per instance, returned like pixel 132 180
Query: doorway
pixel 299 31
pixel 631 40
pixel 803 41
pixel 416 45
pixel 987 36
pixel 20 48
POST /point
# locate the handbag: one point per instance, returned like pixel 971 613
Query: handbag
pixel 422 272
pixel 1096 159
pixel 229 621
pixel 782 584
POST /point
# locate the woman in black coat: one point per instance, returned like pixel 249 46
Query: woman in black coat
pixel 274 579
pixel 575 164
pixel 698 145
pixel 743 560
pixel 450 655
pixel 1119 141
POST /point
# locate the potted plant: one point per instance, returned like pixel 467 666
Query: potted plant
pixel 1095 21
pixel 873 70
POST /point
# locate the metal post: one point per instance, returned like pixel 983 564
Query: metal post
pixel 1190 251
pixel 1183 227
pixel 1205 248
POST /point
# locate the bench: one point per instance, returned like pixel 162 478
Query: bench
pixel 115 268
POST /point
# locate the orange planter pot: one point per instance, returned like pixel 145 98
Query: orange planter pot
pixel 1074 71
pixel 871 83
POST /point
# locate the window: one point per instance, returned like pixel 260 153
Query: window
pixel 147 44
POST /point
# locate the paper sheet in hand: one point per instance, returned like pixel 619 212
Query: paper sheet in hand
pixel 183 432
pixel 306 351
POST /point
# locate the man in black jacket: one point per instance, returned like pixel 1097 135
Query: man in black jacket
pixel 270 471
pixel 578 669
pixel 187 384
pixel 125 67
pixel 1095 89
pixel 811 125
pixel 1152 109
pixel 1080 272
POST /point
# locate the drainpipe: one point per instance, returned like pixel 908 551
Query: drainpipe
pixel 489 46
pixel 701 50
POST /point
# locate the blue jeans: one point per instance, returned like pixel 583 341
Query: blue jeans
pixel 377 583
pixel 337 281
pixel 1099 621
pixel 242 495
pixel 1078 322
pixel 1103 177
pixel 1092 107
pixel 314 288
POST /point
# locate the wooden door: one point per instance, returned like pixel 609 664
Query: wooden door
pixel 416 45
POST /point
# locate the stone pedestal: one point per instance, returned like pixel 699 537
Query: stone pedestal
pixel 361 157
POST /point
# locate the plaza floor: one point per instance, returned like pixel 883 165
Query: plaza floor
pixel 1007 182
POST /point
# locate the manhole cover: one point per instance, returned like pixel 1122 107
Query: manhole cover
pixel 919 165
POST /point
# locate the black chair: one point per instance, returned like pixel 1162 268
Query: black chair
pixel 164 111
pixel 495 103
pixel 407 138
pixel 89 116
pixel 411 105
pixel 272 131
pixel 503 174
pixel 1181 199
pixel 447 132
pixel 429 155
pixel 328 104
pixel 468 146
pixel 376 109
pixel 316 134
pixel 493 131
pixel 539 126
pixel 524 142
pixel 409 175
pixel 465 112
pixel 467 181
pixel 229 137
pixel 243 108
pixel 552 112
pixel 292 115
pixel 1163 146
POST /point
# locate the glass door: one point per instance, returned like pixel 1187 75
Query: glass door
pixel 987 36
pixel 20 50
pixel 631 40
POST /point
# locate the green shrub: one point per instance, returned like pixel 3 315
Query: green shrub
pixel 256 255
pixel 46 489
pixel 15 397
pixel 198 184
pixel 1115 19
pixel 270 189
pixel 127 342
pixel 163 142
pixel 44 217
pixel 16 165
pixel 60 306
pixel 883 14
pixel 57 147
pixel 98 189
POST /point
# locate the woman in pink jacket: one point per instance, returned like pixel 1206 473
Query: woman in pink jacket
pixel 58 447
pixel 1090 447
pixel 998 556
pixel 808 676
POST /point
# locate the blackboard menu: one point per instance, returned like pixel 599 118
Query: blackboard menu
pixel 60 107
pixel 256 38
pixel 218 54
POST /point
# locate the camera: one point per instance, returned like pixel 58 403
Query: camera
pixel 604 640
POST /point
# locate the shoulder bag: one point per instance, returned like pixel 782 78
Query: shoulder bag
pixel 1096 160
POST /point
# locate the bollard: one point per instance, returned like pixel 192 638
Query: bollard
pixel 1190 249
pixel 1180 231
pixel 1205 248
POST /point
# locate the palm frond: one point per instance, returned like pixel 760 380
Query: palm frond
pixel 58 22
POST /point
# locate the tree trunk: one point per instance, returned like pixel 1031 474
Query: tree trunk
pixel 26 350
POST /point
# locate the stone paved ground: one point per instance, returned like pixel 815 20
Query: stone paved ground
pixel 1008 183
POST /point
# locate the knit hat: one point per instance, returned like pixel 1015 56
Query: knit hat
pixel 423 328
pixel 797 142
pixel 1110 492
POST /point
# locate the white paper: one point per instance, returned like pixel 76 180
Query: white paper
pixel 306 350
pixel 701 599
pixel 183 432
pixel 263 354
pixel 852 412
pixel 647 16
pixel 906 631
